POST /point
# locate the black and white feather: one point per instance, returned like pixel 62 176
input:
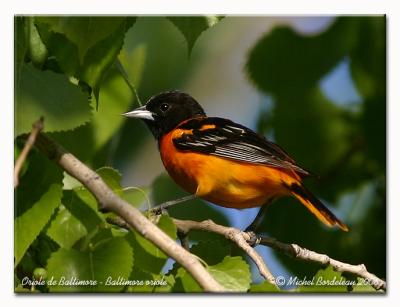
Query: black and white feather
pixel 233 141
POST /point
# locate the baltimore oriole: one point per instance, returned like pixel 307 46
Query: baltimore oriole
pixel 221 161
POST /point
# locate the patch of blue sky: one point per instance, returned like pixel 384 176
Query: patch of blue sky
pixel 339 87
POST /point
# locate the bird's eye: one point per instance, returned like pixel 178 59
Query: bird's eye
pixel 164 107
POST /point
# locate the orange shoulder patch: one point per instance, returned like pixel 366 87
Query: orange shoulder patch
pixel 207 127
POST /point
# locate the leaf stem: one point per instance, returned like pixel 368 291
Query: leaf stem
pixel 124 75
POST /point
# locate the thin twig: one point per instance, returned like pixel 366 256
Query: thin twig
pixel 109 201
pixel 168 204
pixel 124 75
pixel 232 234
pixel 36 128
pixel 304 254
pixel 118 221
pixel 244 239
pixel 292 250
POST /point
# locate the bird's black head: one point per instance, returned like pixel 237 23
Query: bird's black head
pixel 163 112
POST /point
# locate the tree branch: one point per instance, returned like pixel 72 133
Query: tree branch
pixel 36 128
pixel 244 239
pixel 232 234
pixel 304 254
pixel 109 201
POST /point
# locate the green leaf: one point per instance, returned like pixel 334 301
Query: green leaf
pixel 20 289
pixel 37 51
pixel 29 196
pixel 44 93
pixel 219 250
pixel 373 124
pixel 284 62
pixel 31 185
pixel 83 206
pixel 28 225
pixel 184 283
pixel 192 27
pixel 264 287
pixel 66 229
pixel 98 58
pixel 135 196
pixel 370 76
pixel 140 277
pixel 20 42
pixel 101 234
pixel 84 31
pixel 150 70
pixel 69 182
pixel 101 56
pixel 117 99
pixel 362 286
pixel 112 259
pixel 42 247
pixel 148 257
pixel 370 79
pixel 111 177
pixel 87 141
pixel 233 273
pixel 326 280
pixel 317 122
pixel 59 46
pixel 17 151
pixel 165 287
pixel 166 224
pixel 147 282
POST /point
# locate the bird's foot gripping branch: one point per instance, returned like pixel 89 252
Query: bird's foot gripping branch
pixel 127 216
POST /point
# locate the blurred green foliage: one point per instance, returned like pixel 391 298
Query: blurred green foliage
pixel 65 70
pixel 346 148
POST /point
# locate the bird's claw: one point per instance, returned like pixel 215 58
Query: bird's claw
pixel 253 240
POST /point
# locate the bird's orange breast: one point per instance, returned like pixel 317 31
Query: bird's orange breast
pixel 224 182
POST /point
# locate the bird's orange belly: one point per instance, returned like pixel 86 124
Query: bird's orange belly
pixel 225 182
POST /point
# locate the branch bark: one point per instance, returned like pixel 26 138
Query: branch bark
pixel 244 239
pixel 36 128
pixel 304 254
pixel 109 201
pixel 233 234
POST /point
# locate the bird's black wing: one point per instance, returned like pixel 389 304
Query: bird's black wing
pixel 224 138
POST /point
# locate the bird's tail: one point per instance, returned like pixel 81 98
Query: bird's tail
pixel 315 206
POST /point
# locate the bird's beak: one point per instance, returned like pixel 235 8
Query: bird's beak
pixel 141 113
